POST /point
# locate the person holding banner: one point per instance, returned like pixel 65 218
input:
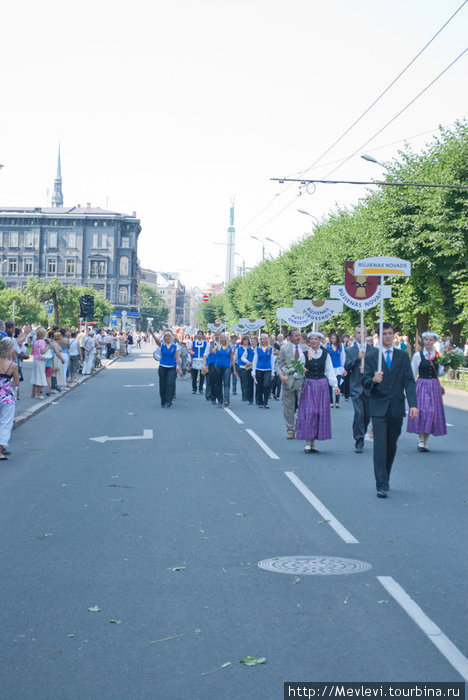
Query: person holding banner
pixel 388 388
pixel 313 415
pixel 291 375
pixel 427 368
pixel 354 365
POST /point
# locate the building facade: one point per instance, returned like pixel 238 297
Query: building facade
pixel 78 245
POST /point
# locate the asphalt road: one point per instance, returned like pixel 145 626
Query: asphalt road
pixel 130 567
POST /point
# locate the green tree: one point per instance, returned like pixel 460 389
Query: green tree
pixel 152 305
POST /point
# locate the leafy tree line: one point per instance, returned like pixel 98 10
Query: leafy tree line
pixel 30 303
pixel 426 226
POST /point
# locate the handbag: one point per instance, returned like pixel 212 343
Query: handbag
pixel 437 377
pixel 48 354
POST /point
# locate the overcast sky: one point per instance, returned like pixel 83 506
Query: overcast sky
pixel 170 109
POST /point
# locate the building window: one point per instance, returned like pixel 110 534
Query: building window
pixel 93 267
pixel 124 266
pixel 28 265
pixel 70 266
pixel 95 243
pixel 52 240
pixel 13 239
pixel 123 295
pixel 52 266
pixel 125 242
pixel 29 239
pixel 12 266
pixel 102 267
pixel 103 240
pixel 72 240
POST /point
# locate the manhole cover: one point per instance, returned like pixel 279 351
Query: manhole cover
pixel 314 566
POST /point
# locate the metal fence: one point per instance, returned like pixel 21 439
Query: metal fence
pixel 456 379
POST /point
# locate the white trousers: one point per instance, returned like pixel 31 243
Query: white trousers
pixel 7 414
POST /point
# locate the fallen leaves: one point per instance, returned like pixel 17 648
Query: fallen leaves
pixel 252 660
pixel 95 608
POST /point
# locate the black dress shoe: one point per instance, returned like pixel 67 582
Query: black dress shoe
pixel 359 450
pixel 381 494
pixel 422 449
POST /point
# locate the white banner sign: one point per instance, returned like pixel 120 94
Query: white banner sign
pixel 317 311
pixel 292 318
pixel 339 292
pixel 220 327
pixel 382 266
pixel 247 324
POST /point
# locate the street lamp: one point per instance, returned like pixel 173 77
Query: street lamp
pixel 371 159
pixel 315 220
pixel 263 245
pixel 275 242
pixel 243 263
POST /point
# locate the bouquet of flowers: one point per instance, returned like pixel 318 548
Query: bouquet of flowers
pixel 452 358
pixel 293 367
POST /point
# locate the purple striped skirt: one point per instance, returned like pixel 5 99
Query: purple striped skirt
pixel 313 415
pixel 431 418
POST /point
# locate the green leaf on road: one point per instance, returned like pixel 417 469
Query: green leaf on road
pixel 116 622
pixel 252 660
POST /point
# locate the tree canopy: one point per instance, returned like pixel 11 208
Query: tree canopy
pixel 428 227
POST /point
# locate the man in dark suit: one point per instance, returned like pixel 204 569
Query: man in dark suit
pixel 359 395
pixel 387 403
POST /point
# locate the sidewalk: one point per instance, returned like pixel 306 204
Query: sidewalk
pixel 27 407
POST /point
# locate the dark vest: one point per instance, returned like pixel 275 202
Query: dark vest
pixel 315 368
pixel 426 370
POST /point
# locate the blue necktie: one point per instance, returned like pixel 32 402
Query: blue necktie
pixel 388 359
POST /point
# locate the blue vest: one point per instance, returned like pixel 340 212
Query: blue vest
pixel 264 357
pixel 335 355
pixel 168 355
pixel 210 358
pixel 198 350
pixel 223 356
pixel 244 355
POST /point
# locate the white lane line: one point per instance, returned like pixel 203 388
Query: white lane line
pixel 434 633
pixel 233 415
pixel 340 530
pixel 262 444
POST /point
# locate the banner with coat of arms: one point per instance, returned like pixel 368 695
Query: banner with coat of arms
pixel 359 292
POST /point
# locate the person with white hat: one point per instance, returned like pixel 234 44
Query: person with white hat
pixel 313 415
pixel 427 369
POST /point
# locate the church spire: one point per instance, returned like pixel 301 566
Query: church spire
pixel 57 197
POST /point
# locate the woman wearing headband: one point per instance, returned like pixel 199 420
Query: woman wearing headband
pixel 427 369
pixel 314 416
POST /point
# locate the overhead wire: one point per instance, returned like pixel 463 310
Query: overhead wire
pixel 346 132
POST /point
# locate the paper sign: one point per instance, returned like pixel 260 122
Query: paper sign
pixel 382 266
pixel 317 311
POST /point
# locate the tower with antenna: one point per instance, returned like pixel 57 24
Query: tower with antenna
pixel 57 197
pixel 231 240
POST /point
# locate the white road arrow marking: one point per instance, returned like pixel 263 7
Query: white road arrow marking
pixel 132 385
pixel 147 435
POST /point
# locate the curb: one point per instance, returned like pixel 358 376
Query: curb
pixel 30 413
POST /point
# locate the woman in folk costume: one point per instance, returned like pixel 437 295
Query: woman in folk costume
pixel 338 357
pixel 263 370
pixel 224 362
pixel 426 369
pixel 314 416
pixel 197 350
pixel 243 358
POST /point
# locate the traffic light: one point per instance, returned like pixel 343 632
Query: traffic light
pixel 86 306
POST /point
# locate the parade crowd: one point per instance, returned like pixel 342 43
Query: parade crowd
pixel 308 371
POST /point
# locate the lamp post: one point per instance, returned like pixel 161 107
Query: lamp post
pixel 371 159
pixel 275 242
pixel 260 240
pixel 315 220
pixel 243 263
